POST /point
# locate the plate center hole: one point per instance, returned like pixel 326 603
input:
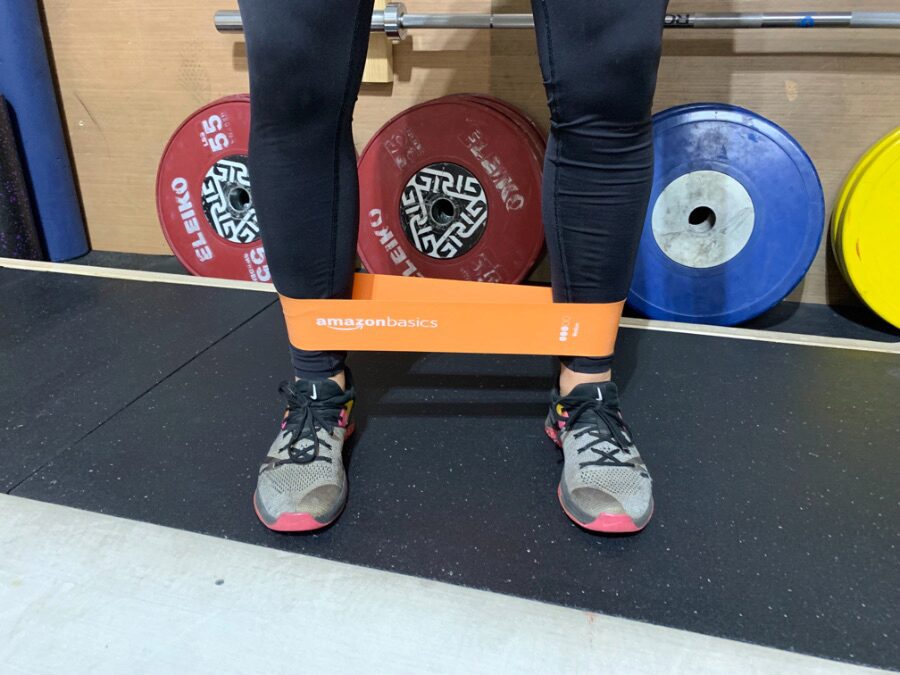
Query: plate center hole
pixel 702 219
pixel 443 211
pixel 239 198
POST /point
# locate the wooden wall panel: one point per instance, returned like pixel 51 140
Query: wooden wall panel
pixel 131 71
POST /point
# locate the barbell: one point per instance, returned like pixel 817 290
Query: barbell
pixel 394 21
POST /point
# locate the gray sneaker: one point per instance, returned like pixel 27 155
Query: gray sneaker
pixel 302 483
pixel 605 486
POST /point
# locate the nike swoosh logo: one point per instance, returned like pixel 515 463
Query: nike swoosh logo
pixel 314 394
pixel 599 394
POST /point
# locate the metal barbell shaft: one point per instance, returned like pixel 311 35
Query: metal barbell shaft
pixel 468 21
pixel 395 20
pixel 786 20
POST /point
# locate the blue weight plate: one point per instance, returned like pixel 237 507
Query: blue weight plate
pixel 735 219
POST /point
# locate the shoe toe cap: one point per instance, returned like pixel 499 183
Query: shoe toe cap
pixel 590 503
pixel 320 502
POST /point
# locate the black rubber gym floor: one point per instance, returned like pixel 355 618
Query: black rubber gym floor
pixel 76 350
pixel 775 466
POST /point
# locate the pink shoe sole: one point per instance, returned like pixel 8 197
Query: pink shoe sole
pixel 298 522
pixel 293 522
pixel 606 522
pixel 553 435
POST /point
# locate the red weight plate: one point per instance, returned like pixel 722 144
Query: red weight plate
pixel 518 116
pixel 509 111
pixel 531 130
pixel 451 189
pixel 203 194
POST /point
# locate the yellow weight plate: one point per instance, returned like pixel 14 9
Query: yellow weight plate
pixel 866 229
pixel 847 190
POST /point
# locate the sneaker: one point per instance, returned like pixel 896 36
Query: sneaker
pixel 605 486
pixel 302 484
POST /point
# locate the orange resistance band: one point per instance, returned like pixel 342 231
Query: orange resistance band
pixel 412 314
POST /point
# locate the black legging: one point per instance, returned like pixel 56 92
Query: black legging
pixel 599 60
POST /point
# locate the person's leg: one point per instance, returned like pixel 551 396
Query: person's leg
pixel 306 62
pixel 599 60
